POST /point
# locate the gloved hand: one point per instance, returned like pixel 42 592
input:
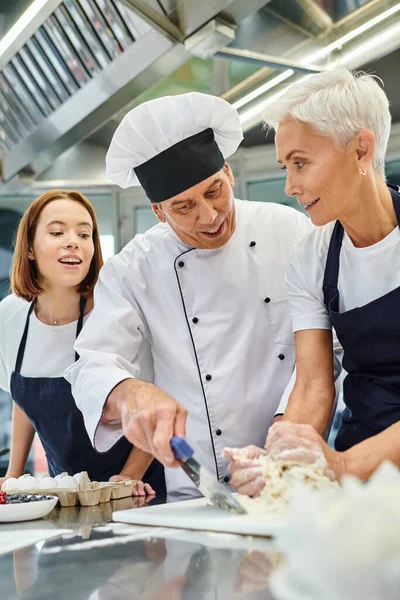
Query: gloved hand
pixel 300 443
pixel 247 475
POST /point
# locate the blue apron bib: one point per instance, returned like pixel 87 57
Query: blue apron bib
pixel 370 337
pixel 50 406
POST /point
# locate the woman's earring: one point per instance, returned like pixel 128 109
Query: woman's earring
pixel 363 172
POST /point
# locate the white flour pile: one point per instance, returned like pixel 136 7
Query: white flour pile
pixel 344 545
pixel 281 478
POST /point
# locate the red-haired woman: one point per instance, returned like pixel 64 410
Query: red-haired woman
pixel 56 264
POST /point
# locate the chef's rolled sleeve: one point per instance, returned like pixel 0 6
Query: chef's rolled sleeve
pixel 102 436
pixel 109 347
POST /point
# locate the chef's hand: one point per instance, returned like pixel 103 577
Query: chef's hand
pixel 247 475
pixel 301 443
pixel 139 488
pixel 150 417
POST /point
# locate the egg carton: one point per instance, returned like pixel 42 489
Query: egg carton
pixel 89 493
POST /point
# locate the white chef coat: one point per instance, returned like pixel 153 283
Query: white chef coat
pixel 218 326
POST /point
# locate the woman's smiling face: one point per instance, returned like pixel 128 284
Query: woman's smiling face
pixel 63 244
pixel 322 175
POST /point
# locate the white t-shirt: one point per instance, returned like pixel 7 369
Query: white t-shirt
pixel 365 274
pixel 49 349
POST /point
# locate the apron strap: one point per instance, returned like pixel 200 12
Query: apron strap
pixel 21 349
pixel 82 304
pixel 331 273
pixel 22 345
pixel 395 193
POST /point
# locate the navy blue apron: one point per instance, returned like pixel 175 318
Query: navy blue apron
pixel 50 406
pixel 370 337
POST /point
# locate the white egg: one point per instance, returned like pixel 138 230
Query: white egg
pixel 47 483
pixel 29 483
pixel 58 477
pixel 11 484
pixel 77 476
pixel 24 477
pixel 68 482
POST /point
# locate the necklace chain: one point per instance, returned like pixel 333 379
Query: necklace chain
pixel 49 315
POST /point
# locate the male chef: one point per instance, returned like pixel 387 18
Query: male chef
pixel 204 290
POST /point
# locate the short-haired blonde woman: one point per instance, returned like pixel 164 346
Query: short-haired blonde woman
pixel 332 131
pixel 56 264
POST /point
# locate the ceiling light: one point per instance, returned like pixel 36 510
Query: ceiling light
pixel 314 57
pixel 352 34
pixel 375 46
pixel 253 113
pixel 263 88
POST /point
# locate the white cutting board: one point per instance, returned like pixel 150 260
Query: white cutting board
pixel 198 515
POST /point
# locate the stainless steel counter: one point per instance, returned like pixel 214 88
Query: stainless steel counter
pixel 100 560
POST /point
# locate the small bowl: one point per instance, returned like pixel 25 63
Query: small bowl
pixel 29 511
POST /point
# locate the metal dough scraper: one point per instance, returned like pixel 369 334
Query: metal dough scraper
pixel 209 486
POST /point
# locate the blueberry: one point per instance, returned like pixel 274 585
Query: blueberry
pixel 24 499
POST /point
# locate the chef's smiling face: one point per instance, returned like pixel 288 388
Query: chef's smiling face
pixel 322 175
pixel 204 215
pixel 63 244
